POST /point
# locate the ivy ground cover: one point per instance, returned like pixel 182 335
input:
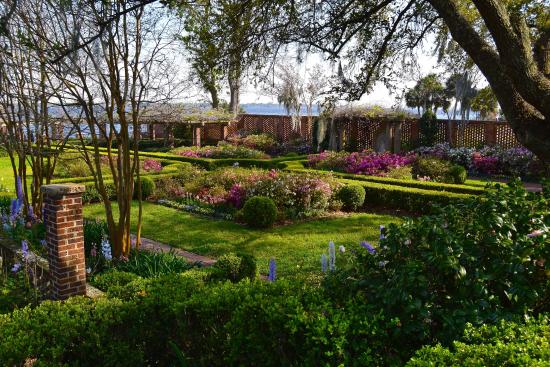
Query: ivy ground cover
pixel 297 248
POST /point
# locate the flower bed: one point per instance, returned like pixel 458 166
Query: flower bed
pixel 362 163
pixel 268 144
pixel 488 160
pixel 222 150
pixel 296 195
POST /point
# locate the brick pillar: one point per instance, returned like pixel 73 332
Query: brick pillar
pixel 197 130
pixel 65 239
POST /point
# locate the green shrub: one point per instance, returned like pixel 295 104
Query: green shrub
pixel 235 267
pixel 259 212
pixel 352 197
pixel 504 344
pixel 433 168
pixel 472 262
pixel 458 174
pixel 221 324
pixel 147 187
pixel 113 278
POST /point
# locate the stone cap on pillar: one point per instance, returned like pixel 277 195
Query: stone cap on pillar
pixel 60 190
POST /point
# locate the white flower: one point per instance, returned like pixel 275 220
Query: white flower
pixel 407 242
pixel 88 270
pixel 536 233
pixel 342 249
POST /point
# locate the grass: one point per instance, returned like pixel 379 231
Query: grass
pixel 296 247
pixel 6 174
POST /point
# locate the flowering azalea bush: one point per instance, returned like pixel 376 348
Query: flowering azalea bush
pixel 362 163
pixel 489 160
pixel 222 150
pixel 268 144
pixel 152 165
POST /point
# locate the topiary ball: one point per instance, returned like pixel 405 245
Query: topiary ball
pixel 234 267
pixel 259 212
pixel 352 197
pixel 458 174
pixel 147 187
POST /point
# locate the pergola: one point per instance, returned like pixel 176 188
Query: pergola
pixel 198 117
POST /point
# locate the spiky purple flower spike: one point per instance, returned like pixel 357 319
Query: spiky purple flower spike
pixel 25 248
pixel 382 232
pixel 272 275
pixel 369 247
pixel 19 187
pixel 324 263
pixel 331 256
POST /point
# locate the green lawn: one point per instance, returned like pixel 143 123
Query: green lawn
pixel 6 174
pixel 297 247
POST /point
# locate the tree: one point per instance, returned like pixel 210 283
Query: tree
pixel 229 38
pixel 428 94
pixel 105 82
pixel 32 137
pixel 507 40
pixel 485 102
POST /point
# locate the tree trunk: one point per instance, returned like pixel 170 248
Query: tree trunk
pixel 234 89
pixel 214 96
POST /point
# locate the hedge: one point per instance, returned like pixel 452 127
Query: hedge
pixel 221 324
pixel 504 344
pixel 408 198
pixel 426 185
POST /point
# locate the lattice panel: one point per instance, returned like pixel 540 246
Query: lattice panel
pixel 406 134
pixel 505 136
pixel 471 134
pixel 441 135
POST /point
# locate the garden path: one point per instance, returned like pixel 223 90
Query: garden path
pixel 154 246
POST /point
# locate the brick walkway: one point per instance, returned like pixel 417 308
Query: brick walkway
pixel 154 246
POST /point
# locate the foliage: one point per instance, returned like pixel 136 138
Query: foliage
pixel 235 267
pixel 428 94
pixel 147 187
pixel 504 344
pixel 259 212
pixel 485 102
pixel 111 279
pixel 150 264
pixel 352 197
pixel 16 290
pixel 94 232
pixel 477 262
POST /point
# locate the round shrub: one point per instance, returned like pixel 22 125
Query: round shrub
pixel 458 174
pixel 147 187
pixel 352 197
pixel 433 168
pixel 259 212
pixel 235 267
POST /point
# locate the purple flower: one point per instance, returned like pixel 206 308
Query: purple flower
pixel 382 232
pixel 19 188
pixel 30 213
pixel 369 247
pixel 331 256
pixel 43 243
pixel 25 248
pixel 324 263
pixel 272 275
pixel 16 267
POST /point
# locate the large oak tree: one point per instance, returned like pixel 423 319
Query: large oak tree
pixel 508 40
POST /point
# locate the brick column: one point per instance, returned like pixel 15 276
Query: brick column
pixel 65 239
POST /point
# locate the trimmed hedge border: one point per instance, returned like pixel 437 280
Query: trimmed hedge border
pixel 433 186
